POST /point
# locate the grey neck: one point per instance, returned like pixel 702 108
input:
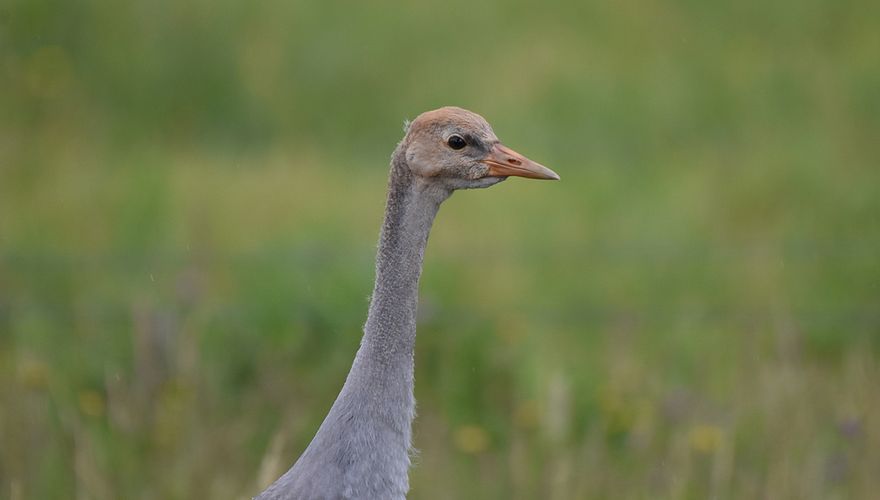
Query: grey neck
pixel 362 448
pixel 412 205
pixel 379 387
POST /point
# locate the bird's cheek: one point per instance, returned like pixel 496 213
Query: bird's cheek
pixel 419 162
pixel 478 171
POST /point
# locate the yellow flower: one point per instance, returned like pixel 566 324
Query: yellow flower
pixel 91 403
pixel 705 438
pixel 471 439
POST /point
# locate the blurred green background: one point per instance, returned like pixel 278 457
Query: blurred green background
pixel 190 196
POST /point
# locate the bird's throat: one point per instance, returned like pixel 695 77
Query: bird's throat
pixel 377 399
pixel 409 215
pixel 365 439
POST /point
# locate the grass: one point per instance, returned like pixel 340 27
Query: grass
pixel 190 197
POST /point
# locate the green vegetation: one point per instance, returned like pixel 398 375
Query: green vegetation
pixel 190 195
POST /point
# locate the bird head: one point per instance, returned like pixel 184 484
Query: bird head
pixel 458 149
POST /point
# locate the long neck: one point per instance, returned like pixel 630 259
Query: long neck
pixel 362 448
pixel 383 366
pixel 409 213
pixel 375 410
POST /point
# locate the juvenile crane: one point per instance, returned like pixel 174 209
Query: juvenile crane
pixel 361 450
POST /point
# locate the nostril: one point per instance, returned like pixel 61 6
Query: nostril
pixel 514 161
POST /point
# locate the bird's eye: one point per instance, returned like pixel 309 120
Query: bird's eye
pixel 456 142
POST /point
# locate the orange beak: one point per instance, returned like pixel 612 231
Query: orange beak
pixel 504 162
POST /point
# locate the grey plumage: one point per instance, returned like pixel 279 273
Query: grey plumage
pixel 362 449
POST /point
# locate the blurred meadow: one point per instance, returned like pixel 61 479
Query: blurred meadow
pixel 191 192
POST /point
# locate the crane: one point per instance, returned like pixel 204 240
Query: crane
pixel 362 449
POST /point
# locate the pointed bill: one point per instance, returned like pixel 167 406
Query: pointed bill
pixel 504 162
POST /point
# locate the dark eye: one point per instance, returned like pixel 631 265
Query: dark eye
pixel 456 142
